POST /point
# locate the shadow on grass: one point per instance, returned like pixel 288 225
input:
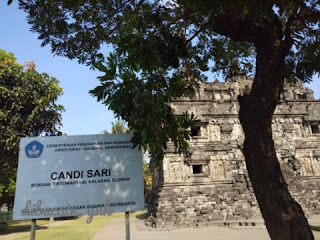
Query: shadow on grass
pixel 141 216
pixel 22 228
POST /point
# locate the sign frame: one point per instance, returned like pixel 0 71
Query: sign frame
pixel 78 175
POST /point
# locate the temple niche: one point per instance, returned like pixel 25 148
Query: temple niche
pixel 213 184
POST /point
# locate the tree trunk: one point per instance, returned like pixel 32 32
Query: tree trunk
pixel 283 215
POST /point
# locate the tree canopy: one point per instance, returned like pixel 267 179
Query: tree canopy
pixel 27 108
pixel 161 47
pixel 161 50
pixel 117 128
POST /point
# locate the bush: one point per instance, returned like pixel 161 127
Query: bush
pixel 5 216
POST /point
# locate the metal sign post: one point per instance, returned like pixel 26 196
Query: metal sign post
pixel 127 225
pixel 33 229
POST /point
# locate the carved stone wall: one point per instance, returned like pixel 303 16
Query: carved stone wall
pixel 213 184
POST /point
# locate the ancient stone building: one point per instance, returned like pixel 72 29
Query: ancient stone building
pixel 213 184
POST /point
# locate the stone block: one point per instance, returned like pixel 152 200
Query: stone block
pixel 232 196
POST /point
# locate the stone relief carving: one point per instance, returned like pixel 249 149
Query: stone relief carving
pixel 215 134
pixel 316 162
pixel 234 108
pixel 204 131
pixel 218 170
pixel 236 89
pixel 277 129
pixel 221 160
pixel 227 129
pixel 175 173
pixel 217 95
pixel 316 166
pixel 310 165
pixel 197 155
pixel 236 132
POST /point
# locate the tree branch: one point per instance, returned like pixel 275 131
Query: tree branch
pixel 235 29
pixel 202 27
pixel 288 41
pixel 302 4
pixel 301 18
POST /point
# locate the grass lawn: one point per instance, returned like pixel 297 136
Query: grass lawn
pixel 78 229
pixel 20 226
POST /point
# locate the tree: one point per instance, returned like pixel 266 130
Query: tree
pixel 27 108
pixel 117 128
pixel 147 175
pixel 161 49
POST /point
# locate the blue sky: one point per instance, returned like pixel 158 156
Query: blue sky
pixel 83 115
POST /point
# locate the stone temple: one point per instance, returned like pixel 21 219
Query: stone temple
pixel 213 184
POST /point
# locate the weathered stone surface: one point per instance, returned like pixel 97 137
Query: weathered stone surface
pixel 213 184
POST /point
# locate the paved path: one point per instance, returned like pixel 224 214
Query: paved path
pixel 115 230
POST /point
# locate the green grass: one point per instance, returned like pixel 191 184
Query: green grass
pixel 77 229
pixel 5 216
pixel 19 226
